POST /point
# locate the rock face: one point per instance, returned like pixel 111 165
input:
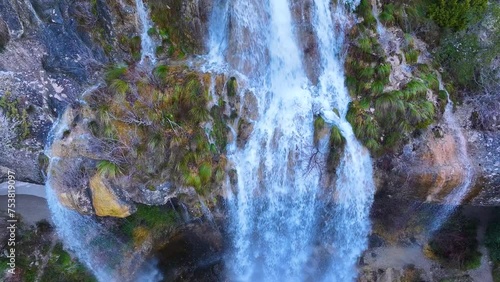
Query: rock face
pixel 51 51
pixel 104 200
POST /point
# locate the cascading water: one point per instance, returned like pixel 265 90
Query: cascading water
pixel 79 233
pixel 455 198
pixel 354 187
pixel 147 44
pixel 281 228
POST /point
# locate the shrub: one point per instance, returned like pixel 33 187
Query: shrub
pixel 232 87
pixel 365 44
pixel 387 15
pixel 456 14
pixel 367 73
pixel 108 168
pixel 411 56
pixel 364 10
pixel 383 71
pixel 205 172
pixel 115 72
pixel 378 87
pixel 455 244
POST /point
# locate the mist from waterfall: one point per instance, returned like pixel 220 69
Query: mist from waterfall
pixel 282 228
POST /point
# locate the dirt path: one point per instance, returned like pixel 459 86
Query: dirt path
pixel 398 258
pixel 30 202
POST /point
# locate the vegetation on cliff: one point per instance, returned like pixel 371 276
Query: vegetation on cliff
pixel 463 36
pixel 41 258
pixel 383 113
pixel 153 124
pixel 455 244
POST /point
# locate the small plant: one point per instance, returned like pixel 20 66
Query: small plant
pixel 205 173
pixel 232 87
pixel 364 10
pixel 367 73
pixel 365 44
pixel 108 168
pixel 115 72
pixel 387 15
pixel 119 86
pixel 412 56
pixel 383 71
pixel 455 244
pixel 336 138
pixel 378 87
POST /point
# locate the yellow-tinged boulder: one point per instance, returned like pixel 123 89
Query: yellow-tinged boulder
pixel 105 201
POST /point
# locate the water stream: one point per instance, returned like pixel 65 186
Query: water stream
pixel 455 198
pixel 282 229
pixel 147 44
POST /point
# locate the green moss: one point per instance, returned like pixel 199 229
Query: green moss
pixel 319 125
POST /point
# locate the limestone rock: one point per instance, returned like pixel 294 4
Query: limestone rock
pixel 105 201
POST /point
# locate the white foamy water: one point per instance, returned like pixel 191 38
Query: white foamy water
pixel 280 229
pixel 147 44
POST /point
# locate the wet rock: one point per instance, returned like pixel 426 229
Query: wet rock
pixel 70 182
pixel 193 253
pixel 245 129
pixel 4 34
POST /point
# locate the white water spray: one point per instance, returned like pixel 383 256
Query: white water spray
pixel 147 44
pixel 354 187
pixel 280 228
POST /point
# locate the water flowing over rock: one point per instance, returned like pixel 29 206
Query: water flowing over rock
pixel 147 44
pixel 280 212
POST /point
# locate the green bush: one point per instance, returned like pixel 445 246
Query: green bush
pixel 455 244
pixel 461 55
pixel 411 56
pixel 456 14
pixel 108 168
pixel 364 10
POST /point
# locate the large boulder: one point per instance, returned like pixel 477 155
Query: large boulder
pixel 105 201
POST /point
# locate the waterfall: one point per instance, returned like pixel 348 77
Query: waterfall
pixel 79 233
pixel 281 226
pixel 455 198
pixel 354 187
pixel 147 44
